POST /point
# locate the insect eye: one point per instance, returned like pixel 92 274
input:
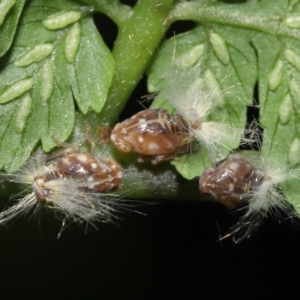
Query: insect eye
pixel 125 148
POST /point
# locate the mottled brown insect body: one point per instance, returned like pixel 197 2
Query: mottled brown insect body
pixel 94 175
pixel 152 132
pixel 231 181
pixel 99 176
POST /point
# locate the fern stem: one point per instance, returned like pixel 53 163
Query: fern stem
pixel 137 40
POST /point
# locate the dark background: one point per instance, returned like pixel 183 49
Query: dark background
pixel 172 252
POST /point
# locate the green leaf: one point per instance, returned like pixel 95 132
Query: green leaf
pixel 230 76
pixel 192 165
pixel 10 12
pixel 42 74
pixel 92 72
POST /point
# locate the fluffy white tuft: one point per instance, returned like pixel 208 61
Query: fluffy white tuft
pixel 24 206
pixel 212 134
pixel 36 166
pixel 187 91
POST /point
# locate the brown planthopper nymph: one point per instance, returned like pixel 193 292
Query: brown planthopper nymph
pixel 230 181
pixel 98 176
pixel 154 133
pixel 70 183
pixel 235 182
